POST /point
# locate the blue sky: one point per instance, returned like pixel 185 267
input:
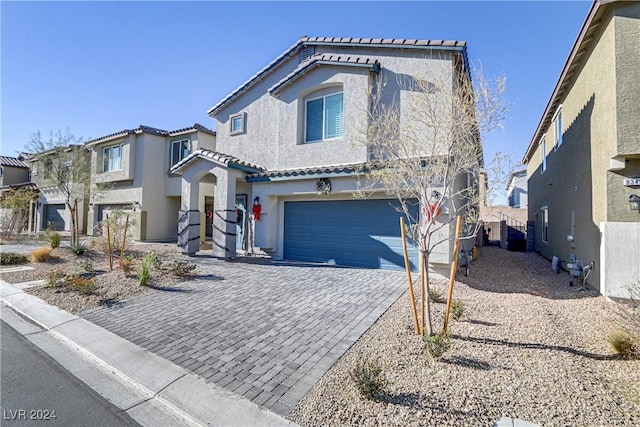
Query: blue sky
pixel 100 67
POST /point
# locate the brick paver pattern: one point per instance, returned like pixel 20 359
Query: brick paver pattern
pixel 266 331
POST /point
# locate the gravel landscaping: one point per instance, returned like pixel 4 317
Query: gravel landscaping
pixel 111 285
pixel 528 346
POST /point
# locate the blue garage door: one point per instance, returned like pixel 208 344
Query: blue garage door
pixel 358 233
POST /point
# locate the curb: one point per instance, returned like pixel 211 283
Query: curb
pixel 149 388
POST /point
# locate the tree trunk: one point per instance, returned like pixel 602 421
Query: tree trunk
pixel 425 262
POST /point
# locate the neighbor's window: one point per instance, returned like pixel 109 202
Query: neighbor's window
pixel 543 154
pixel 558 122
pixel 324 118
pixel 112 158
pixel 180 150
pixel 237 124
pixel 545 223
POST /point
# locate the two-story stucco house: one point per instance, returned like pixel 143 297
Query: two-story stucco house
pixel 52 209
pixel 13 171
pixel 130 171
pixel 584 158
pixel 288 151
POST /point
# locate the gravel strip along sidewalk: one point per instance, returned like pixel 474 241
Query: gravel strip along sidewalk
pixel 528 347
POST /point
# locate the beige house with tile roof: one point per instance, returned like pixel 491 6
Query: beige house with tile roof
pixel 583 162
pixel 286 180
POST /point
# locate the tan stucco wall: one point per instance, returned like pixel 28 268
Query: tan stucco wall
pixel 12 175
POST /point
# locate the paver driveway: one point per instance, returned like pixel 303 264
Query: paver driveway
pixel 266 331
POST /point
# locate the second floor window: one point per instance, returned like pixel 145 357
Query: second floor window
pixel 543 155
pixel 112 158
pixel 559 128
pixel 180 150
pixel 324 118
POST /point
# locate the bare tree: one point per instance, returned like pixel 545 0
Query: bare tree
pixel 424 147
pixel 65 166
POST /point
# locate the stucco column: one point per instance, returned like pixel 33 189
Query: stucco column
pixel 224 215
pixel 189 218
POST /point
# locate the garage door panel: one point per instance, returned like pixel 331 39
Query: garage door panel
pixel 362 233
pixel 54 216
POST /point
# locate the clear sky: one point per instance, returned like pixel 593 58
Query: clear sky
pixel 100 67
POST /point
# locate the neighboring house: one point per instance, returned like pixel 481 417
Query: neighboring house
pixel 517 189
pixel 52 210
pixel 13 170
pixel 583 162
pixel 130 171
pixel 290 141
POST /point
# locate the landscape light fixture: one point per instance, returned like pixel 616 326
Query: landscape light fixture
pixel 634 202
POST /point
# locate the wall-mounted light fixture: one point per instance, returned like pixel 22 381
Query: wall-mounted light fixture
pixel 136 206
pixel 634 202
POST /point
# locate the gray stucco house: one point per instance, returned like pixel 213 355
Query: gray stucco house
pixel 286 155
pixel 583 162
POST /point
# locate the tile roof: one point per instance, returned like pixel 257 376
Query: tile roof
pixel 326 59
pixel 150 130
pixel 304 172
pixel 29 185
pixel 339 41
pixel 220 158
pixel 12 161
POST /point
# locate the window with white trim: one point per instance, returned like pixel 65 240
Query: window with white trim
pixel 543 154
pixel 179 150
pixel 324 118
pixel 558 127
pixel 237 124
pixel 545 223
pixel 112 158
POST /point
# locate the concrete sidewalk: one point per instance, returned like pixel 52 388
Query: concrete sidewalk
pixel 149 388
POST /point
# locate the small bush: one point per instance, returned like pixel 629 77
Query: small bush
pixel 143 273
pixel 435 296
pixel 84 286
pixel 12 258
pixel 153 259
pixel 56 278
pixel 457 309
pixel 438 344
pixel 126 264
pixel 42 254
pixel 625 344
pixel 183 268
pixel 369 378
pixel 54 238
pixel 78 249
pixel 86 264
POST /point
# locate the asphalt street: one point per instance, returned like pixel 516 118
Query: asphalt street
pixel 35 390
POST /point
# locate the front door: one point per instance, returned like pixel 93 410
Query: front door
pixel 241 215
pixel 208 210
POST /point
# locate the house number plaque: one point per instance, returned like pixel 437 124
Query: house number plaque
pixel 631 182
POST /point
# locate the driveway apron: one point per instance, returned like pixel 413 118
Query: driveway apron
pixel 266 331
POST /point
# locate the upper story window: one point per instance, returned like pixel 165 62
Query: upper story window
pixel 112 158
pixel 544 211
pixel 180 150
pixel 543 154
pixel 324 118
pixel 558 128
pixel 237 124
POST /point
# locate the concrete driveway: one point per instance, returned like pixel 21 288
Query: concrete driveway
pixel 266 331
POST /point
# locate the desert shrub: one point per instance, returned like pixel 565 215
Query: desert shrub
pixel 153 259
pixel 84 285
pixel 369 378
pixel 126 264
pixel 12 258
pixel 625 344
pixel 42 254
pixel 438 344
pixel 182 268
pixel 143 273
pixel 435 296
pixel 56 278
pixel 78 249
pixel 457 309
pixel 85 264
pixel 53 237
